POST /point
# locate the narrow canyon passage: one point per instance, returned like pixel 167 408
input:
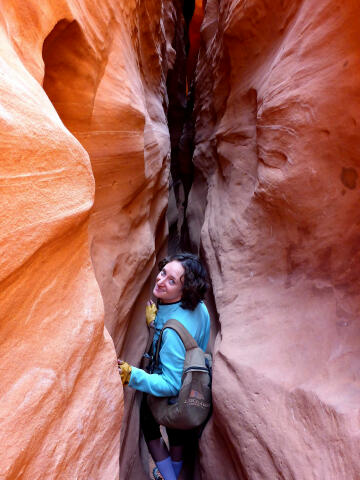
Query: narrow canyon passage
pixel 251 109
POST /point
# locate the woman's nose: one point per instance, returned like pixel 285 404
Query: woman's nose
pixel 160 281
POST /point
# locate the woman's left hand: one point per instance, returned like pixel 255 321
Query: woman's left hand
pixel 150 312
pixel 125 371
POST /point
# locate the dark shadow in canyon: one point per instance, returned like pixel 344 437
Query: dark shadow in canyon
pixel 181 129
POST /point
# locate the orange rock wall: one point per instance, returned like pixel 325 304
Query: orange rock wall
pixel 275 209
pixel 83 96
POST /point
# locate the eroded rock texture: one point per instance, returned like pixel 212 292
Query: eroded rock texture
pixel 277 151
pixel 83 95
pixel 134 459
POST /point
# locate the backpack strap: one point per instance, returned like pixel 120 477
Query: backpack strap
pixel 187 339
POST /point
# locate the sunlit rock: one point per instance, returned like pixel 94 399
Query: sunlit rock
pixel 83 89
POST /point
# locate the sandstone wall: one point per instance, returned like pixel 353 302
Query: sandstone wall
pixel 83 89
pixel 275 203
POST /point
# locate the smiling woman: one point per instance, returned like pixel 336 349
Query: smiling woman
pixel 179 289
pixel 169 282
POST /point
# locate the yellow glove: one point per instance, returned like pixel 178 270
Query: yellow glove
pixel 150 312
pixel 125 371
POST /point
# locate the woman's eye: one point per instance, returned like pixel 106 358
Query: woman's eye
pixel 171 282
pixel 162 273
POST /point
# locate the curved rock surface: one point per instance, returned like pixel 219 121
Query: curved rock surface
pixel 277 151
pixel 273 207
pixel 83 89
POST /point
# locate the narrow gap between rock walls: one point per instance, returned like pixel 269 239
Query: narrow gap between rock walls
pixel 181 94
pixel 180 89
pixel 181 122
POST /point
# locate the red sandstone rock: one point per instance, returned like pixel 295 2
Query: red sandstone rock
pixel 277 140
pixel 96 74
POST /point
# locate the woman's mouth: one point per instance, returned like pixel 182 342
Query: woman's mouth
pixel 159 289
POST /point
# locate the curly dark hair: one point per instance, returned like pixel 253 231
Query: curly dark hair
pixel 195 278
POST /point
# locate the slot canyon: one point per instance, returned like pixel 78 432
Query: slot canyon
pixel 229 128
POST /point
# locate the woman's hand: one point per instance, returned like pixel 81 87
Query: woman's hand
pixel 150 312
pixel 125 371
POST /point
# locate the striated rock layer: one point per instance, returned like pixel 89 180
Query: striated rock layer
pixel 275 203
pixel 83 89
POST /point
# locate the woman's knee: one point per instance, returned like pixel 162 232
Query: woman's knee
pixel 149 426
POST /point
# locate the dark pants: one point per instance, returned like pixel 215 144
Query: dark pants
pixel 151 429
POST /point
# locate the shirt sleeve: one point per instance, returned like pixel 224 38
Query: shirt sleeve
pixel 207 332
pixel 168 382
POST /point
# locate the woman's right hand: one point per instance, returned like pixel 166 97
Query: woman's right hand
pixel 124 371
pixel 150 312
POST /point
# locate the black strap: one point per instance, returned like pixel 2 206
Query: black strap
pixel 187 339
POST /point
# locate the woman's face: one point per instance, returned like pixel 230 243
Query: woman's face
pixel 169 282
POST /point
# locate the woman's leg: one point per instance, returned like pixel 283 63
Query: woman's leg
pixel 158 449
pixel 177 440
pixel 155 443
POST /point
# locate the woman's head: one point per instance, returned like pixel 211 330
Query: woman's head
pixel 181 277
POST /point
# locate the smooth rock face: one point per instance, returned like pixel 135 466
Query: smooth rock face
pixel 112 99
pixel 82 95
pixel 277 145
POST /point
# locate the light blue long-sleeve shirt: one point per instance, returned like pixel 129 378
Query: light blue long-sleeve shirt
pixel 166 381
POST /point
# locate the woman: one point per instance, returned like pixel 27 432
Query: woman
pixel 179 288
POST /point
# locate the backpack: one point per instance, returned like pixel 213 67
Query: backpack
pixel 192 406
